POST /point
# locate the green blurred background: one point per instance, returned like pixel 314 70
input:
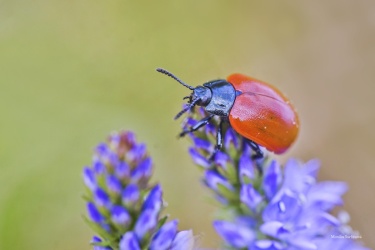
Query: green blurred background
pixel 73 71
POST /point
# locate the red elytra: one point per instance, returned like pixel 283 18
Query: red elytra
pixel 263 114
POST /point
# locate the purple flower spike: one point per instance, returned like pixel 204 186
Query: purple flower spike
pixel 164 237
pixel 267 207
pixel 122 206
pixel 234 235
pixel 129 241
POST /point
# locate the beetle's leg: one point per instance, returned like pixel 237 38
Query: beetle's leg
pixel 197 126
pixel 255 147
pixel 219 140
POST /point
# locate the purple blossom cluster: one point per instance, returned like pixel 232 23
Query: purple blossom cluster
pixel 265 206
pixel 124 209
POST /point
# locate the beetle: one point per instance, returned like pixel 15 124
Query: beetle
pixel 255 109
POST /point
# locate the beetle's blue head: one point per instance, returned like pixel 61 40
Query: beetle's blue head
pixel 201 95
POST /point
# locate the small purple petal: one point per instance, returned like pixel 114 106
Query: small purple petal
pixel 212 179
pixel 250 196
pixel 154 199
pixel 142 172
pixel 89 178
pixel 102 149
pixel 211 129
pixel 295 178
pixel 274 229
pixel 233 234
pixel 146 223
pixel 129 242
pixel 120 216
pixel 122 170
pixel 230 138
pixel 164 237
pixel 137 152
pixel 101 198
pixel 327 194
pixel 202 144
pixel 221 159
pixel 113 159
pixel 327 219
pixel 267 245
pixel 311 168
pixel 99 167
pixel 113 184
pixel 283 207
pixel 94 213
pixel 96 239
pixel 130 195
pixel 202 111
pixel 189 122
pixel 272 179
pixel 129 137
pixel 198 158
pixel 246 168
pixel 303 244
pixel 184 240
pixel 114 140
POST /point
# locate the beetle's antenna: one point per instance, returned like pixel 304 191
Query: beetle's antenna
pixel 165 72
pixel 192 104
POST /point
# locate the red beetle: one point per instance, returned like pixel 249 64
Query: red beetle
pixel 255 109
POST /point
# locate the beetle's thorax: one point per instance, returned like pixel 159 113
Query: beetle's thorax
pixel 219 97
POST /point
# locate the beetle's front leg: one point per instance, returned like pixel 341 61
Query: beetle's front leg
pixel 197 126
